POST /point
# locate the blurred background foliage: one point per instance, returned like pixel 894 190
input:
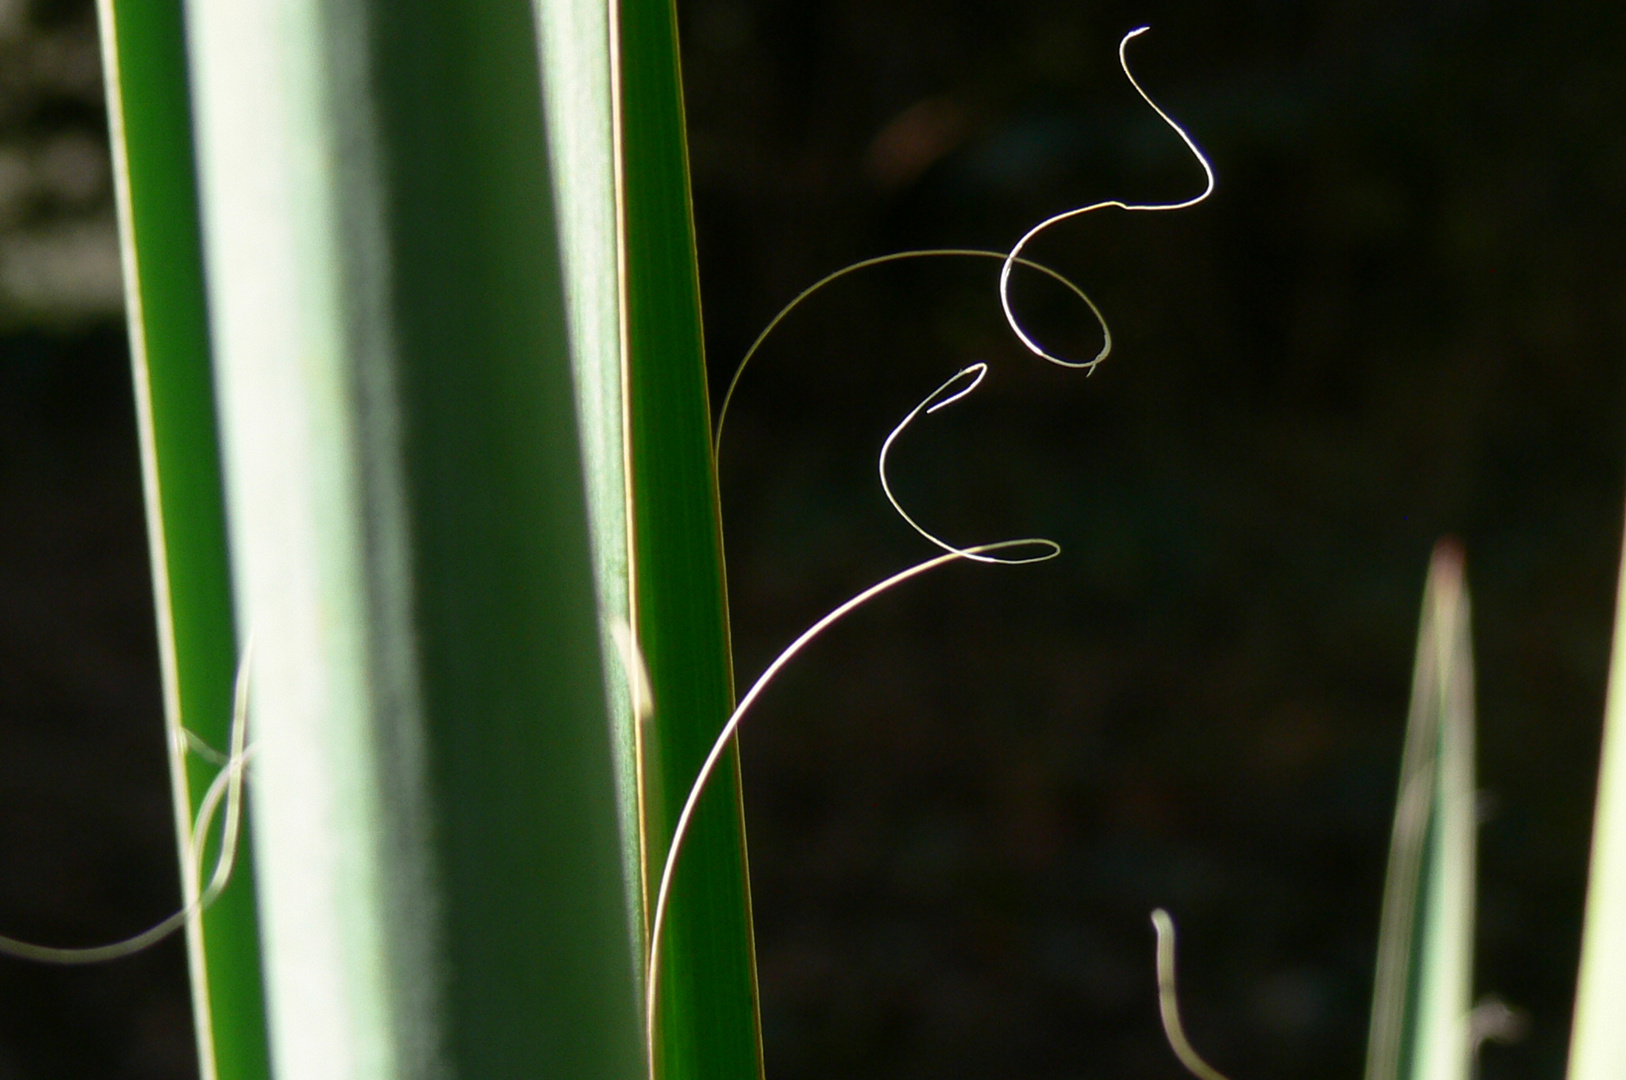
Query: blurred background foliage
pixel 59 255
pixel 1400 315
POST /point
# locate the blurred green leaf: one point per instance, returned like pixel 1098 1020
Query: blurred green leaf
pixel 1598 1042
pixel 1424 982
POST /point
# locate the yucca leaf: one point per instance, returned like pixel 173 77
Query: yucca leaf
pixel 574 38
pixel 1598 1041
pixel 1424 982
pixel 708 1023
pixel 440 879
pixel 144 50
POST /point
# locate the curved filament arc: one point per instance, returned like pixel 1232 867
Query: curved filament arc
pixel 1015 256
pixel 881 260
pixel 226 788
pixel 940 398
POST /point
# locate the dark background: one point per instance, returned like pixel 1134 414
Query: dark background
pixel 1400 316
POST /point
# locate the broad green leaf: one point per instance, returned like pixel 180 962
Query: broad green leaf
pixel 434 783
pixel 1598 1041
pixel 144 51
pixel 574 38
pixel 1424 982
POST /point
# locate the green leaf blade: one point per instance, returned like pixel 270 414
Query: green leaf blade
pixel 144 52
pixel 709 1024
pixel 1598 1038
pixel 441 868
pixel 1424 983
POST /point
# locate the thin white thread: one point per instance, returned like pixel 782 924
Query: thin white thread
pixel 190 742
pixel 930 405
pixel 1015 254
pixel 632 663
pixel 945 395
pixel 1168 1004
pixel 1008 259
pixel 898 256
pixel 227 786
pixel 1049 549
pixel 732 726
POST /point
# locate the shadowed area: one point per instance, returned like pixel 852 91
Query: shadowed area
pixel 87 837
